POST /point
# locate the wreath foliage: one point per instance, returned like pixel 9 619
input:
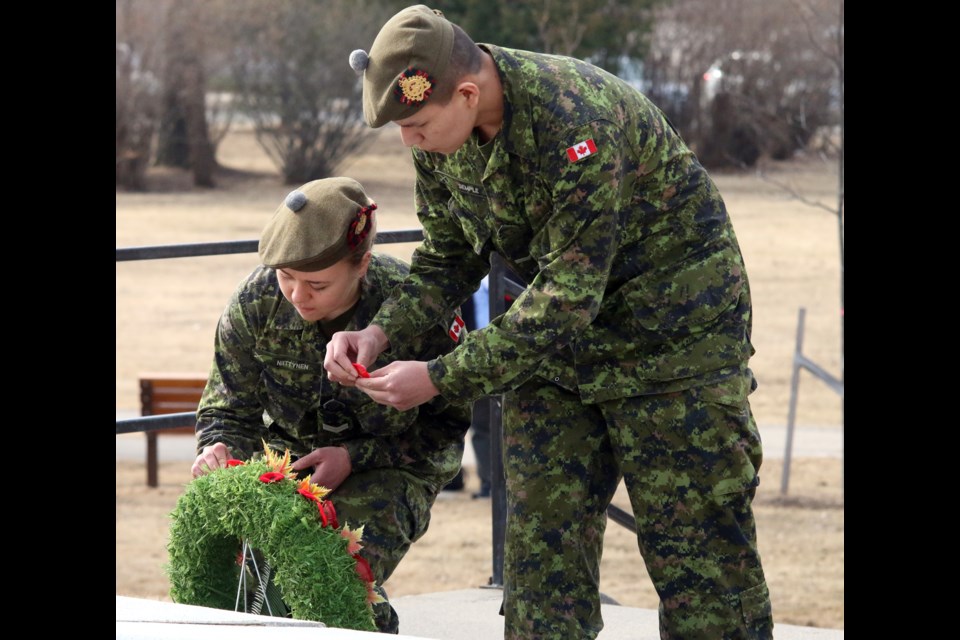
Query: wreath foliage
pixel 314 561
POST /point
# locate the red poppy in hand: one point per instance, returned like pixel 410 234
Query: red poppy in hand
pixel 362 370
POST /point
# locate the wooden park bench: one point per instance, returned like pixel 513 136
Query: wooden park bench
pixel 168 393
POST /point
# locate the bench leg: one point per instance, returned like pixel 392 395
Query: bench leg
pixel 152 458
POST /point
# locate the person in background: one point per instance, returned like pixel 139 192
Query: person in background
pixel 476 313
pixel 318 276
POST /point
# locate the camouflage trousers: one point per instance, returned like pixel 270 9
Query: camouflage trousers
pixel 689 461
pixel 394 508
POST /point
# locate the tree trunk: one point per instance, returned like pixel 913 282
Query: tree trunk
pixel 184 139
pixel 172 147
pixel 201 152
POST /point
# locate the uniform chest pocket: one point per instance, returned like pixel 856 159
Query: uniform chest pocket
pixel 513 242
pixel 468 202
pixel 288 388
pixel 475 230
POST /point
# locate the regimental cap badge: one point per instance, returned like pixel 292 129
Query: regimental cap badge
pixel 361 225
pixel 413 86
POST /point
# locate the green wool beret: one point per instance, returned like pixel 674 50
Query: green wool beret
pixel 400 73
pixel 317 225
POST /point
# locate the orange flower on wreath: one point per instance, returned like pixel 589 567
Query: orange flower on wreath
pixel 279 463
pixel 311 491
pixel 353 536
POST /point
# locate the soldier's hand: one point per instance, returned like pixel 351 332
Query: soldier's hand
pixel 212 457
pixel 331 466
pixel 347 347
pixel 401 385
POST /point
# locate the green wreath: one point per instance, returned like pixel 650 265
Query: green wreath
pixel 315 563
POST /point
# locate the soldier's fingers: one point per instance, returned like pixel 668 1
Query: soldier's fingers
pixel 338 373
pixel 374 385
pixel 339 350
pixel 304 462
pixel 200 468
pixel 376 389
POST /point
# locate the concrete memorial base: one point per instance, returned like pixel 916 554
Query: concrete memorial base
pixel 468 614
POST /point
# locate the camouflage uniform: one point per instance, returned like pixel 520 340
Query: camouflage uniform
pixel 267 383
pixel 625 357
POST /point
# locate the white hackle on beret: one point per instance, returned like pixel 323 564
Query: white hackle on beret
pixel 359 60
pixel 295 200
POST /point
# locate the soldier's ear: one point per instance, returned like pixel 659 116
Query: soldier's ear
pixel 364 265
pixel 470 92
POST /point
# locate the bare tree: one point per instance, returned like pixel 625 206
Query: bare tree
pixel 294 83
pixel 138 90
pixel 739 77
pixel 824 24
pixel 602 31
pixel 559 36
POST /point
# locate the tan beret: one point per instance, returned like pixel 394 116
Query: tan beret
pixel 400 73
pixel 317 225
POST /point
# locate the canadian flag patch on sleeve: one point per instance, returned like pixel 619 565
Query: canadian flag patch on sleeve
pixel 581 150
pixel 456 328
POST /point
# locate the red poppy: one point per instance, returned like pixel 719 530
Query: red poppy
pixel 306 493
pixel 328 514
pixel 233 462
pixel 272 476
pixel 363 568
pixel 361 370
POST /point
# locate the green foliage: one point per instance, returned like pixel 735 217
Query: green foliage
pixel 312 568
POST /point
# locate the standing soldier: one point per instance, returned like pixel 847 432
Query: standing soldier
pixel 626 356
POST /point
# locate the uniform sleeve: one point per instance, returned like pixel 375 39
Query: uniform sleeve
pixel 229 410
pixel 445 268
pixel 574 250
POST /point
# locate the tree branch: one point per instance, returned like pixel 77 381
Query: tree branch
pixel 794 193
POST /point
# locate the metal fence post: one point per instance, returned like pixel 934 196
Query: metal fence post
pixel 792 411
pixel 800 361
pixel 498 488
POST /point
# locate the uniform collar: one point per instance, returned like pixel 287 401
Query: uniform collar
pixel 514 137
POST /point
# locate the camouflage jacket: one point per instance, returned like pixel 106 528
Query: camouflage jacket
pixel 267 382
pixel 636 283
